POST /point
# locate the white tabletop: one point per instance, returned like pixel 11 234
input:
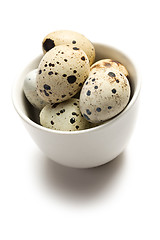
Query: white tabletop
pixel 43 200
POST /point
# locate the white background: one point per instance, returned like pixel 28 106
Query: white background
pixel 42 200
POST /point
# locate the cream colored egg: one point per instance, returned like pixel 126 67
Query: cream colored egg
pixel 64 116
pixel 108 63
pixel 61 73
pixel 69 37
pixel 104 95
pixel 30 90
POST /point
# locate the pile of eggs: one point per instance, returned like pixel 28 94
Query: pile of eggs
pixel 72 91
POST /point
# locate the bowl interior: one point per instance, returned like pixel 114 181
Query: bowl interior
pixel 25 109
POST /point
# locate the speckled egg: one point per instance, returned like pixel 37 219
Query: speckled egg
pixel 64 116
pixel 108 63
pixel 104 95
pixel 69 37
pixel 30 90
pixel 61 73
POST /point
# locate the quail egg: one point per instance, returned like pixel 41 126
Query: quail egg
pixel 61 73
pixel 104 95
pixel 30 90
pixel 69 37
pixel 64 116
pixel 108 63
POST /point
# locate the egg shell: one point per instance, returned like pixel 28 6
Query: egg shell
pixel 30 90
pixel 104 95
pixel 108 64
pixel 64 116
pixel 61 73
pixel 62 37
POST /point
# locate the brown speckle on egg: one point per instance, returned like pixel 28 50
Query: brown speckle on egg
pixel 106 64
pixel 118 63
pixel 50 73
pixel 111 74
pixel 75 48
pixel 48 44
pixel 71 79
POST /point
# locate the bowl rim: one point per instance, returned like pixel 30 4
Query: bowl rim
pixel 96 128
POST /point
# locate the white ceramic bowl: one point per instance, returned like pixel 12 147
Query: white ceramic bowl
pixel 85 148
